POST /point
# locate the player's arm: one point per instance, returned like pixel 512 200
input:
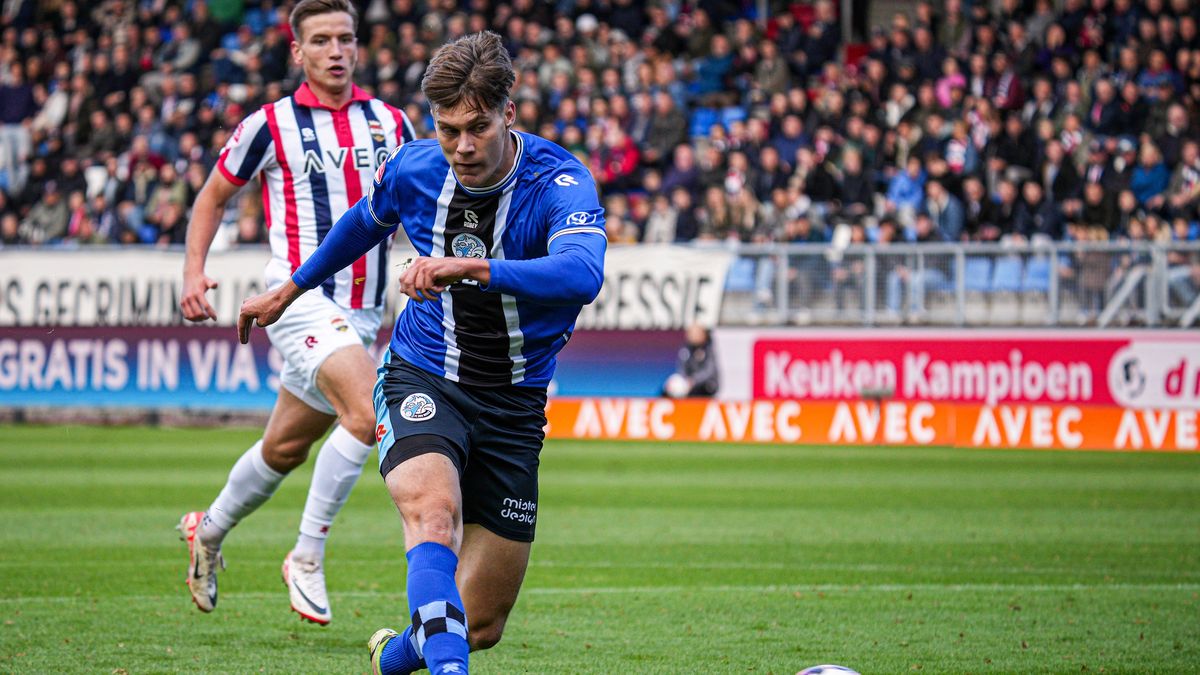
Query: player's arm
pixel 206 219
pixel 573 270
pixel 570 274
pixel 246 153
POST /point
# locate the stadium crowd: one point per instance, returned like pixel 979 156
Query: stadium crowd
pixel 1013 119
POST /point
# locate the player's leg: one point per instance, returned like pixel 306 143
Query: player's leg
pixel 425 489
pixel 490 571
pixel 256 475
pixel 425 423
pixel 345 380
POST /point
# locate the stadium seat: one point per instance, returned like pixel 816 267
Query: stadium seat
pixel 978 274
pixel 741 276
pixel 731 114
pixel 1006 275
pixel 1037 275
pixel 701 121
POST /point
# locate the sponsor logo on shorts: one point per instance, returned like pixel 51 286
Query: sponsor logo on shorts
pixel 310 341
pixel 380 432
pixel 468 246
pixel 418 408
pixel 339 324
pixel 519 510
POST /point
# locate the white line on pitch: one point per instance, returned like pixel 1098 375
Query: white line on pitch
pixel 650 590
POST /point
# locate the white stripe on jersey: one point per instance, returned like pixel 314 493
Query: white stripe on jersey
pixel 516 339
pixel 576 230
pixel 360 131
pixel 438 250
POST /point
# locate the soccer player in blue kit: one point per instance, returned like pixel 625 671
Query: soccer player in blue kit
pixel 511 240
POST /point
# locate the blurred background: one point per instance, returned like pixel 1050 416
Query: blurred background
pixel 979 172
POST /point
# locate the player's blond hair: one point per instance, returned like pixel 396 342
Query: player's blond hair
pixel 475 69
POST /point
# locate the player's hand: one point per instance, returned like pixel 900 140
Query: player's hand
pixel 424 278
pixel 194 303
pixel 265 309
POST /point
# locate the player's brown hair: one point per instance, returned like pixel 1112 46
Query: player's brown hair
pixel 307 8
pixel 475 69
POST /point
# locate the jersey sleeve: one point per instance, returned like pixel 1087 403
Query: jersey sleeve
pixel 383 201
pixel 573 270
pixel 248 150
pixel 572 207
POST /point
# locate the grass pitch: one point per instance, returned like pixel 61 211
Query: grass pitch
pixel 651 558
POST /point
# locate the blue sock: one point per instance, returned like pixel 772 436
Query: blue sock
pixel 400 656
pixel 439 623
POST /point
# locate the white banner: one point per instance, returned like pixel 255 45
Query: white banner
pixel 659 287
pixel 645 287
pixel 118 286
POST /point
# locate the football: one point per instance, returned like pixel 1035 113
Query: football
pixel 677 386
pixel 827 670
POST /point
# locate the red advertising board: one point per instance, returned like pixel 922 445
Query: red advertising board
pixel 1128 369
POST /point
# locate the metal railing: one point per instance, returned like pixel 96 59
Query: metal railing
pixel 1039 284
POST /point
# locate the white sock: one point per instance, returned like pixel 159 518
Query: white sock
pixel 251 482
pixel 339 463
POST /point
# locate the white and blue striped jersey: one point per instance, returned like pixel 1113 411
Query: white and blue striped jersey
pixel 542 230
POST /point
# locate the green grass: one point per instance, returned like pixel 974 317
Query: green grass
pixel 651 558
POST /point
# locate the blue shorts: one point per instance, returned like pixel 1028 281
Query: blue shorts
pixel 493 435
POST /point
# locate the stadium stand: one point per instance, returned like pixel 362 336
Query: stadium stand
pixel 992 118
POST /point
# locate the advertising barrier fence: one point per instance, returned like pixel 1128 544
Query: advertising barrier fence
pixel 875 422
pixel 86 330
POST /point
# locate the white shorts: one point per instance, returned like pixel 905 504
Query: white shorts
pixel 308 332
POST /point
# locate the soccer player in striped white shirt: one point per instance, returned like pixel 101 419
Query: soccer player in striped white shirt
pixel 316 153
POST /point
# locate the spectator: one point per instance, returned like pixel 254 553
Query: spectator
pixel 17 108
pixel 1150 178
pixel 918 279
pixel 1036 215
pixel 1057 174
pixel 1184 188
pixel 10 230
pixel 944 211
pixel 696 372
pixel 666 131
pixel 906 190
pixel 1099 209
pixel 46 222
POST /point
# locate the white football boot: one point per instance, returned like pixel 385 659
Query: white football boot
pixel 203 563
pixel 305 581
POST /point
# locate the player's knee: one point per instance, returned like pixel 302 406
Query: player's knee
pixel 283 456
pixel 431 520
pixel 485 636
pixel 360 422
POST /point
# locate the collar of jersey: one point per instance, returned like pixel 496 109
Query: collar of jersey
pixel 305 97
pixel 508 179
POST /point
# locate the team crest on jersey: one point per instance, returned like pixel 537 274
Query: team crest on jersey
pixel 418 408
pixel 468 246
pixel 308 135
pixel 376 128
